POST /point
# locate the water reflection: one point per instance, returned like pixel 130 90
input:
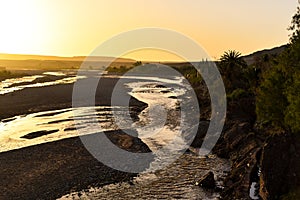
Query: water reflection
pixel 15 132
pixel 6 86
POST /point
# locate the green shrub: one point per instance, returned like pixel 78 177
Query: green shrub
pixel 237 94
pixel 292 195
pixel 5 74
pixel 278 97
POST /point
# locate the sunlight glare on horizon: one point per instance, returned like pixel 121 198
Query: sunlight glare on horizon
pixel 20 27
pixel 75 27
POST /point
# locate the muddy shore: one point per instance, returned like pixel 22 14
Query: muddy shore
pixel 50 170
pixel 30 100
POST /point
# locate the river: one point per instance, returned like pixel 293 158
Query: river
pixel 178 180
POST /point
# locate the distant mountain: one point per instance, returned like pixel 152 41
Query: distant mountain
pixel 58 58
pixel 38 62
pixel 250 59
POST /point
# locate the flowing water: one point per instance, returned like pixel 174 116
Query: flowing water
pixel 6 85
pixel 178 180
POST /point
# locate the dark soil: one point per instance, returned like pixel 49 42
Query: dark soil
pixel 30 100
pixel 51 170
pixel 38 134
pixel 47 78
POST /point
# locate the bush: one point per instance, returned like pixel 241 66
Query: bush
pixel 278 99
pixel 293 195
pixel 4 74
pixel 237 94
pixel 271 101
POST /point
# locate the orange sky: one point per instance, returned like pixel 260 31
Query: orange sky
pixel 76 27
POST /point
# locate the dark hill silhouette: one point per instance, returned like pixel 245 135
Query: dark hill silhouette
pixel 250 59
pixel 4 56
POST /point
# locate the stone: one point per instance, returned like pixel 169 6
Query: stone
pixel 208 181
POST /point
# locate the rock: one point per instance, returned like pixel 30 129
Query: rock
pixel 280 169
pixel 208 181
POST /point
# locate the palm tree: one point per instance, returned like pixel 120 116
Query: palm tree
pixel 232 66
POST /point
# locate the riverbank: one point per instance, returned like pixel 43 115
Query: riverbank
pixel 71 167
pixel 50 170
pixel 180 180
pixel 263 165
pixel 31 100
pixel 74 169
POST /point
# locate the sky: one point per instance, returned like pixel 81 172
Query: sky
pixel 77 27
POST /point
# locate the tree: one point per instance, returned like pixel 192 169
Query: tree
pixel 271 101
pixel 295 26
pixel 292 114
pixel 137 63
pixel 278 99
pixel 232 66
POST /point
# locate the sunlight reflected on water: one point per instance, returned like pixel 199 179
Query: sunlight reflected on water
pixel 5 86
